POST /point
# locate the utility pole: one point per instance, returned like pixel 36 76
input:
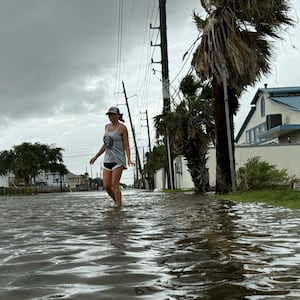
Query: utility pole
pixel 229 142
pixel 134 139
pixel 166 85
pixel 148 130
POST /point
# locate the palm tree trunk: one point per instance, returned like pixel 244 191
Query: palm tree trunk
pixel 199 173
pixel 223 172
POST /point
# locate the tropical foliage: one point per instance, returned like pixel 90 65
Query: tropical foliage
pixel 236 45
pixel 235 35
pixel 192 127
pixel 258 175
pixel 155 160
pixel 27 160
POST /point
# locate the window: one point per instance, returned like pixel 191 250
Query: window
pixel 248 137
pixel 253 134
pixel 262 106
pixel 256 135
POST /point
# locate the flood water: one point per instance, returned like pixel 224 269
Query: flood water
pixel 157 246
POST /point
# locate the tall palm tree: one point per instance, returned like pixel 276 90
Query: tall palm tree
pixel 192 128
pixel 236 37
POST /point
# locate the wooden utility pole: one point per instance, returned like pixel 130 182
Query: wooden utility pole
pixel 139 166
pixel 229 142
pixel 148 130
pixel 166 85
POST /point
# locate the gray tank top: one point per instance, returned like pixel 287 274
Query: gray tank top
pixel 114 147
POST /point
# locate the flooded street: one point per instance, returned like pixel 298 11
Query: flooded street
pixel 157 246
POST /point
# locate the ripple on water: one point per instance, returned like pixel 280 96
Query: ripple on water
pixel 157 246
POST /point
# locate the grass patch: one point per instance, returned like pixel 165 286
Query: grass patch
pixel 284 198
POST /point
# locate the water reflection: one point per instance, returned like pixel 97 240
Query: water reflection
pixel 157 246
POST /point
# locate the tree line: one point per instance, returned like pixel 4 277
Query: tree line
pixel 27 160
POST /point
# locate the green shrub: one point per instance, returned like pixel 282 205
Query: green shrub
pixel 27 190
pixel 258 175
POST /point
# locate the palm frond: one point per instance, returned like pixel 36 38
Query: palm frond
pixel 236 34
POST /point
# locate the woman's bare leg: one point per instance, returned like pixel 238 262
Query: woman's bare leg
pixel 115 183
pixel 107 183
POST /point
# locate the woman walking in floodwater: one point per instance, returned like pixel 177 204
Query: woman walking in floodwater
pixel 116 148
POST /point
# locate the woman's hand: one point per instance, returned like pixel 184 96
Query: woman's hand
pixel 93 159
pixel 130 163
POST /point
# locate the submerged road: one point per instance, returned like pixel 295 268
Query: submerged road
pixel 157 246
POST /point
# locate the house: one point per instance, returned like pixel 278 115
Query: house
pixel 74 182
pixel 49 179
pixel 274 117
pixel 4 181
pixel 270 131
pixel 77 182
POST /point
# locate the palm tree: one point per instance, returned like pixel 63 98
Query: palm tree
pixel 192 128
pixel 236 37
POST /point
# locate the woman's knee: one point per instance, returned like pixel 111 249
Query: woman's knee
pixel 106 186
pixel 115 186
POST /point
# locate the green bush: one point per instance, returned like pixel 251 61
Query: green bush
pixel 258 175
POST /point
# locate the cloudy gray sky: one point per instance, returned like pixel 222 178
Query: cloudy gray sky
pixel 62 63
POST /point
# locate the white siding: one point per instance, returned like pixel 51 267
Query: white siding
pixel 183 178
pixel 4 181
pixel 289 116
pixel 283 156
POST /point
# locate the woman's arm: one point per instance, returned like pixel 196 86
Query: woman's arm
pixel 101 150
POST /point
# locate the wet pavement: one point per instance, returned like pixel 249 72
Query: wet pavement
pixel 157 246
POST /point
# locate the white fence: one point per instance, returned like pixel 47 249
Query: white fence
pixel 283 156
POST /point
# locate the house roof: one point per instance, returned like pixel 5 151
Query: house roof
pixel 71 175
pixel 280 130
pixel 277 92
pixel 288 96
pixel 293 102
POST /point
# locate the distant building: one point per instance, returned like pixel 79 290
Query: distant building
pixel 77 182
pixel 4 181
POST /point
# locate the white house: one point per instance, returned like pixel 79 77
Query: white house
pixel 56 180
pixel 4 181
pixel 271 131
pixel 50 179
pixel 274 117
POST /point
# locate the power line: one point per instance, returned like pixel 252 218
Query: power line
pixel 119 46
pixel 186 57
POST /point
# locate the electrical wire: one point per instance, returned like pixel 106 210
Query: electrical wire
pixel 186 57
pixel 119 48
